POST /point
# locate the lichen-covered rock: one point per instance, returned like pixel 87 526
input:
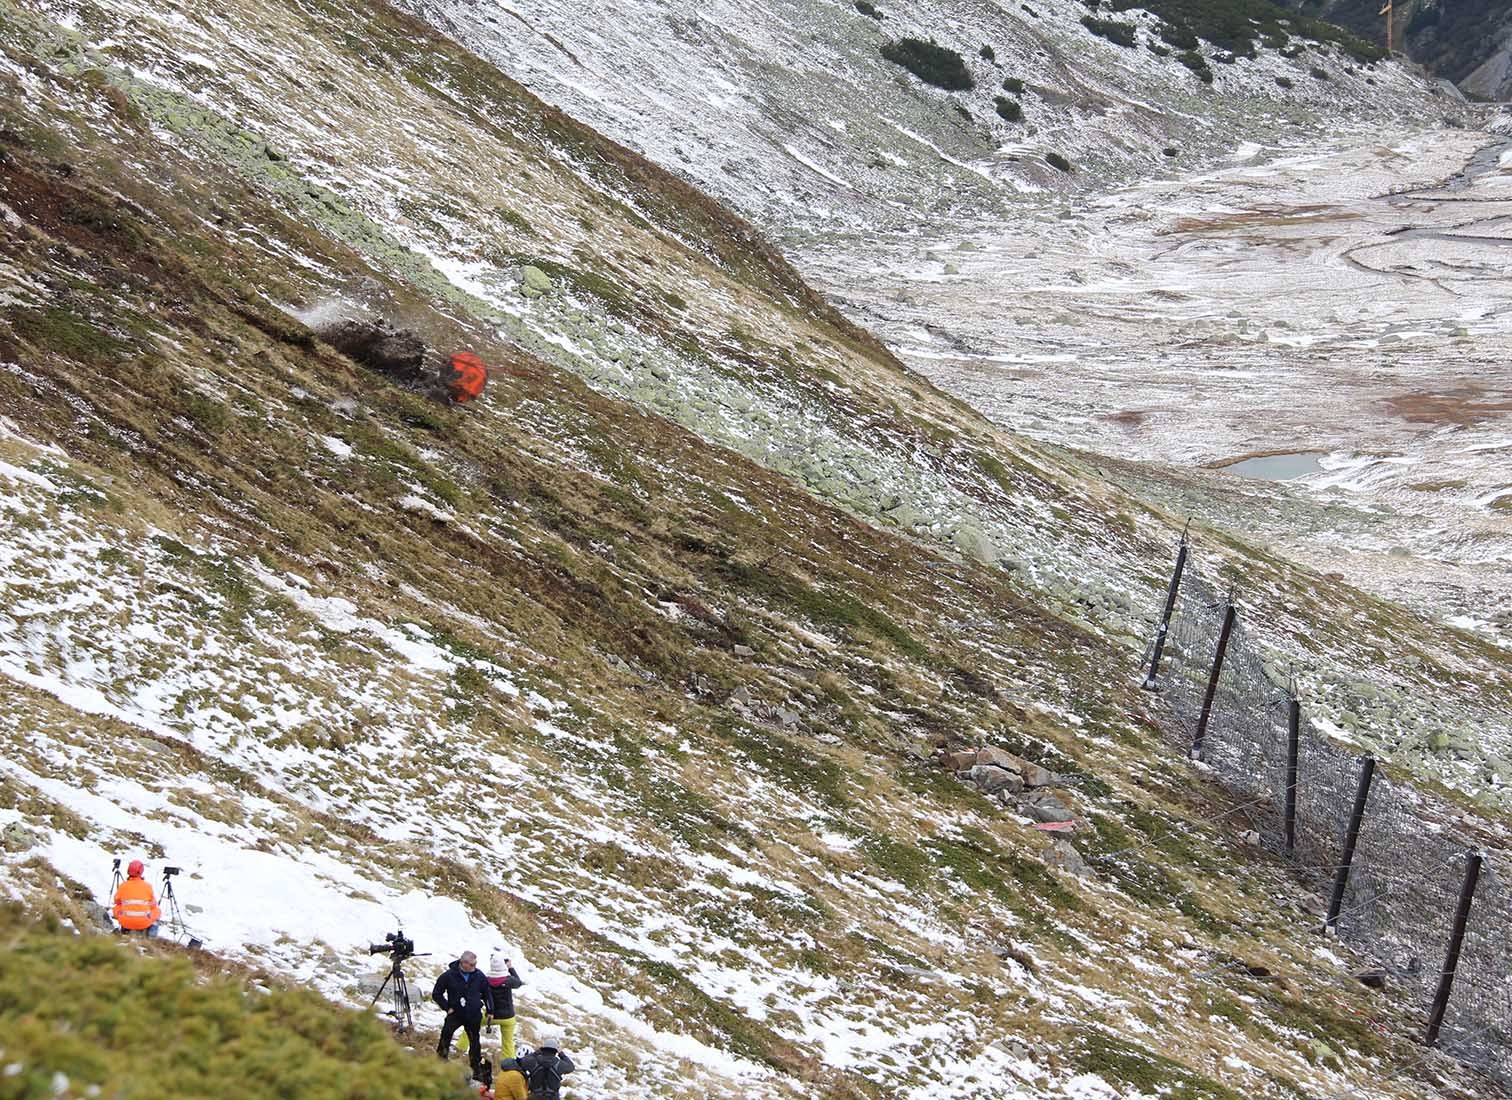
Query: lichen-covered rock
pixel 534 282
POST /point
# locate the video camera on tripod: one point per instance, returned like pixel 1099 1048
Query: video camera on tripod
pixel 396 944
pixel 398 947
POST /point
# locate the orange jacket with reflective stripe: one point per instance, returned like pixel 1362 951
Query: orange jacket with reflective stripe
pixel 135 907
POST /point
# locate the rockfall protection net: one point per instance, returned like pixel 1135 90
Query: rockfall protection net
pixel 1405 878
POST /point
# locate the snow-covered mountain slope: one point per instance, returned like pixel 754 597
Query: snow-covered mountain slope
pixel 637 666
pixel 789 111
pixel 1218 250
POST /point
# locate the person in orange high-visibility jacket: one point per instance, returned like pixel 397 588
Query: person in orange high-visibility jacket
pixel 136 909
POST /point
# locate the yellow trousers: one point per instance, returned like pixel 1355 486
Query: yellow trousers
pixel 506 1037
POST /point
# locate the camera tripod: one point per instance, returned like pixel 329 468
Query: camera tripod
pixel 175 917
pixel 403 1021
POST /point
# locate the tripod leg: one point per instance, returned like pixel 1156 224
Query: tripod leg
pixel 374 1002
pixel 402 1017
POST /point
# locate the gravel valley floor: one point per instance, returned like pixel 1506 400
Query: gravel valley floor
pixel 1347 304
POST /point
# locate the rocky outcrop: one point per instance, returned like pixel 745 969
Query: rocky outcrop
pixel 1012 780
pixel 1466 41
pixel 1492 79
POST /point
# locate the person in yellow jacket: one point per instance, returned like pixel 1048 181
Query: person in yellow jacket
pixel 510 1084
pixel 136 908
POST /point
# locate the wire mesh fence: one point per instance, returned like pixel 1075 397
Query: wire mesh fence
pixel 1396 900
pixel 1478 1020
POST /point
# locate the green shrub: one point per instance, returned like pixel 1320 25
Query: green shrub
pixel 1055 160
pixel 1198 64
pixel 1284 81
pixel 1157 49
pixel 1240 25
pixel 1013 84
pixel 931 63
pixel 1008 110
pixel 1111 29
pixel 867 8
pixel 1177 36
pixel 1319 73
pixel 230 1037
pixel 987 54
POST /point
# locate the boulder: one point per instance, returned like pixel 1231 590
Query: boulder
pixel 1371 977
pixel 1063 855
pixel 992 779
pixel 1045 807
pixel 998 758
pixel 534 282
pixel 960 761
pixel 398 353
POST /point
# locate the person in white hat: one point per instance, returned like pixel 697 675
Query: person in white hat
pixel 503 981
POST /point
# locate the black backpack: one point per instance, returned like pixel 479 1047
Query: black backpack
pixel 545 1080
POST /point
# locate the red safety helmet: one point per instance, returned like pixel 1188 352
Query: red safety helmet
pixel 134 869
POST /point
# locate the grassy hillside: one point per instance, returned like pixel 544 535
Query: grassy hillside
pixel 637 666
pixel 87 1015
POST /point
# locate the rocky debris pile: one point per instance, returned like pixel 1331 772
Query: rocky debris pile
pixel 1024 787
pixel 1015 782
pixel 745 704
pixel 398 353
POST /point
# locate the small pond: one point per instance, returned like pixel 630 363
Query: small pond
pixel 1276 467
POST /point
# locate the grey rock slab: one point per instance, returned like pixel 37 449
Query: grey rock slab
pixel 16 837
pixel 1046 808
pixel 1064 855
pixel 992 779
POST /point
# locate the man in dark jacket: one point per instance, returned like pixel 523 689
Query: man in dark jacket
pixel 544 1068
pixel 462 993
